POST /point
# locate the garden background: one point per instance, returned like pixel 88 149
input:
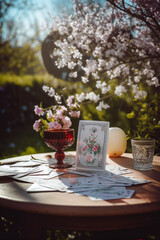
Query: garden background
pixel 22 75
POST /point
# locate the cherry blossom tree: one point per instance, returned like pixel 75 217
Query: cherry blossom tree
pixel 148 12
pixel 113 52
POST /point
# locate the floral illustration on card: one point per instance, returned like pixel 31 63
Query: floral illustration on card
pixel 91 146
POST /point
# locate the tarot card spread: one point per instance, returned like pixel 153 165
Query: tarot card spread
pixel 105 185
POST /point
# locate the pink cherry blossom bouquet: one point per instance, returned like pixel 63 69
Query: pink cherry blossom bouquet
pixel 57 116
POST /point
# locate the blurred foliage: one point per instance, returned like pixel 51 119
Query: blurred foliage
pixel 19 94
pixel 9 230
pixel 20 60
pixel 19 22
pixel 144 119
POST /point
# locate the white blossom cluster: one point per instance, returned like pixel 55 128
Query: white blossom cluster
pixel 99 42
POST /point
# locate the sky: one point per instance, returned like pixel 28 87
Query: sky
pixel 41 13
pixel 51 8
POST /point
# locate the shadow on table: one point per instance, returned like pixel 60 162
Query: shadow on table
pixel 123 161
pixel 127 162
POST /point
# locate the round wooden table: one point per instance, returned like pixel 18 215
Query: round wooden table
pixel 57 210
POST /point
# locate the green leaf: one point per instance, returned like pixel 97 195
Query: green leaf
pixel 40 105
pixel 130 115
pixel 42 133
pixel 44 122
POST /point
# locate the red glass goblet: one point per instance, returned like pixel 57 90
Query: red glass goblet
pixel 59 140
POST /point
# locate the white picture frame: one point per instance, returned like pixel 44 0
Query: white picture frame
pixel 91 149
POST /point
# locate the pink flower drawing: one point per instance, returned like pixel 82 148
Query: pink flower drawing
pixel 90 158
pixel 95 148
pixel 84 148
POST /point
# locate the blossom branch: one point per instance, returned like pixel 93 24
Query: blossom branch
pixel 142 16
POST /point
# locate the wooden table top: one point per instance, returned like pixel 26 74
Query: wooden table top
pixel 144 202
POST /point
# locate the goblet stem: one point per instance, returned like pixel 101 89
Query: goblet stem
pixel 59 156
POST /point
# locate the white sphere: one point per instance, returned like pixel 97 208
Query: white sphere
pixel 117 142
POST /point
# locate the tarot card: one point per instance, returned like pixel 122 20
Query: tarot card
pixel 92 143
